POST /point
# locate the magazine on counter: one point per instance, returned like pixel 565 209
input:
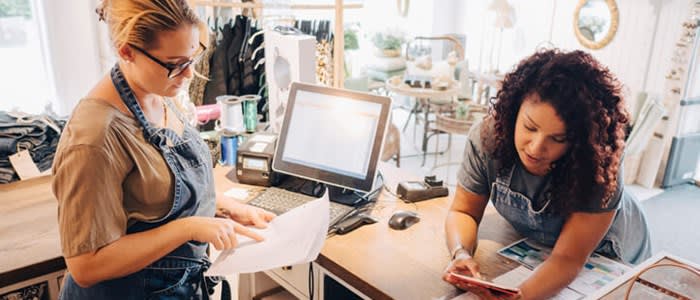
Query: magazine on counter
pixel 598 272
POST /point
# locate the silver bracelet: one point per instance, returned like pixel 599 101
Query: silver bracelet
pixel 455 251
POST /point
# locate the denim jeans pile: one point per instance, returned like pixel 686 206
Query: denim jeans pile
pixel 38 134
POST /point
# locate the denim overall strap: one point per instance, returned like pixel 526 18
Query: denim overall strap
pixel 542 225
pixel 127 95
pixel 180 274
pixel 155 136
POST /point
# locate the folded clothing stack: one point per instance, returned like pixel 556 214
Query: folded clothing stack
pixel 383 68
pixel 38 134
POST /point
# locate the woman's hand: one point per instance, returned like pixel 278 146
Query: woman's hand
pixel 219 232
pixel 245 214
pixel 464 264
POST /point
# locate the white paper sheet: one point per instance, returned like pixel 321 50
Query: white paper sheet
pixel 518 275
pixel 292 238
pixel 237 193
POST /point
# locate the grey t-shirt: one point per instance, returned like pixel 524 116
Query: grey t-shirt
pixel 478 172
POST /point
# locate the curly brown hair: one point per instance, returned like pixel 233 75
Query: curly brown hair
pixel 588 98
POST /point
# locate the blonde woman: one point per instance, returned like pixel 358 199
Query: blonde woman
pixel 133 180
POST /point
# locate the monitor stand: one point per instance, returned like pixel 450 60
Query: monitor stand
pixel 344 196
pixel 315 189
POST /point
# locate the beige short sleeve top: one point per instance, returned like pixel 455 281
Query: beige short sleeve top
pixel 106 176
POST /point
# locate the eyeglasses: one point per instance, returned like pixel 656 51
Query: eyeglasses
pixel 175 69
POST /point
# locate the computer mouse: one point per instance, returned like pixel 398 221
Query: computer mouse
pixel 402 219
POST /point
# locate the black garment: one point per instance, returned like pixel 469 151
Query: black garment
pixel 232 67
pixel 233 77
pixel 218 66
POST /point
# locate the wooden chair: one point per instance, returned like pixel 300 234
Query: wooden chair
pixel 392 145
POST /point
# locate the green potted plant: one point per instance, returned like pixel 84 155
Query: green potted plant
pixel 388 43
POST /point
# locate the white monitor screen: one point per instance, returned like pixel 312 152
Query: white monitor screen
pixel 332 135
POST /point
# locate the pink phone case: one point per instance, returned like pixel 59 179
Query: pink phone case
pixel 485 284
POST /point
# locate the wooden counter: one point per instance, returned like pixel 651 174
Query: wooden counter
pixel 29 246
pixel 380 262
pixel 387 264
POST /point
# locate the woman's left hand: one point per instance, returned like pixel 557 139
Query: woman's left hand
pixel 245 214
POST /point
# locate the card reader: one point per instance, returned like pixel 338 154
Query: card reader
pixel 414 191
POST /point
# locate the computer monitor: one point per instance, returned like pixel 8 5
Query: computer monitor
pixel 333 136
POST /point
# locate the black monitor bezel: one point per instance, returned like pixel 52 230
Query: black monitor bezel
pixel 334 179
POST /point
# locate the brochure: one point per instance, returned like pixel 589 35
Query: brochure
pixel 599 271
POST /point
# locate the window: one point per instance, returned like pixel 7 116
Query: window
pixel 25 81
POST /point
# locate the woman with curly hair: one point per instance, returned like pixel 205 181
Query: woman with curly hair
pixel 549 158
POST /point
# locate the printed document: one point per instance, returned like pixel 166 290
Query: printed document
pixel 294 237
pixel 598 271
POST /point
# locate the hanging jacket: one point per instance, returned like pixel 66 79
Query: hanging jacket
pixel 233 77
pixel 218 66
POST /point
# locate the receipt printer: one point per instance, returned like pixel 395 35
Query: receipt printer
pixel 254 159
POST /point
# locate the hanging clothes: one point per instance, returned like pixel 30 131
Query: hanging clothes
pixel 233 76
pixel 198 84
pixel 320 29
pixel 253 67
pixel 236 65
pixel 218 65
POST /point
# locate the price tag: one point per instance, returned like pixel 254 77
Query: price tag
pixel 24 165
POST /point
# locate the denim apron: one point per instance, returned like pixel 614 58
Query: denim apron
pixel 626 240
pixel 178 275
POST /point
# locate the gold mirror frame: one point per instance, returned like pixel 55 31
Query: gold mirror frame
pixel 614 18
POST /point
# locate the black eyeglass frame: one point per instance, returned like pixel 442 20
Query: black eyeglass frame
pixel 172 67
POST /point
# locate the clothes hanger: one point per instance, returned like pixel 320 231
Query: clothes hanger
pixel 254 35
pixel 259 63
pixel 246 35
pixel 262 89
pixel 262 82
pixel 255 52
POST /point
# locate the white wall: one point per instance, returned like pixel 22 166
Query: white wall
pixel 639 54
pixel 72 44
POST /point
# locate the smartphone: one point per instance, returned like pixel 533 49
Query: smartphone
pixel 499 289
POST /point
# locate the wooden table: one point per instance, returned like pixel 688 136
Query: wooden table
pixel 383 263
pixel 29 246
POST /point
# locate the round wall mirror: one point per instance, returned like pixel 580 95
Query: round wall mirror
pixel 595 22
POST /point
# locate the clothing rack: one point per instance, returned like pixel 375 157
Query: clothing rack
pixel 338 42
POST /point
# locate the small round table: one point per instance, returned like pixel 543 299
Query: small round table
pixel 427 99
